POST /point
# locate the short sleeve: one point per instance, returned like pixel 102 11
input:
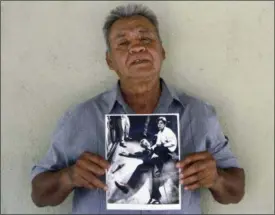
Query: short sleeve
pixel 56 157
pixel 217 143
pixel 207 134
pixel 172 140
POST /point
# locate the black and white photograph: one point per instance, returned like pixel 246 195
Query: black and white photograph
pixel 143 150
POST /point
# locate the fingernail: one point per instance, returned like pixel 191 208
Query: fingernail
pixel 186 188
pixel 181 175
pixel 177 165
pixel 181 181
pixel 105 188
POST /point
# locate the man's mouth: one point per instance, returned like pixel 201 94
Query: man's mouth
pixel 139 61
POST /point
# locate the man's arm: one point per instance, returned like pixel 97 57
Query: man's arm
pixel 171 141
pixel 52 188
pixel 132 155
pixel 213 164
pixel 229 186
pixel 200 170
pixel 171 145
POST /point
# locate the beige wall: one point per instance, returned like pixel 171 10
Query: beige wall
pixel 53 57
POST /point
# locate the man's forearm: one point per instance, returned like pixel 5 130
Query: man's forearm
pixel 170 144
pixel 229 187
pixel 51 188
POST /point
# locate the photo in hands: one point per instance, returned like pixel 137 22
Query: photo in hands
pixel 143 150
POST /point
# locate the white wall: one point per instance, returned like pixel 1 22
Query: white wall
pixel 53 57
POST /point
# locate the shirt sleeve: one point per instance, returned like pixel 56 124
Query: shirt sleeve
pixel 212 138
pixel 56 158
pixel 171 140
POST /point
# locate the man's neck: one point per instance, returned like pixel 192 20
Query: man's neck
pixel 142 97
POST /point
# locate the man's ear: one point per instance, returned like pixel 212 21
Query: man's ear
pixel 163 53
pixel 109 60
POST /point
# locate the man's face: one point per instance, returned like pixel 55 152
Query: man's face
pixel 161 125
pixel 135 49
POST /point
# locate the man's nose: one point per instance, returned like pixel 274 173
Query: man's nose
pixel 136 48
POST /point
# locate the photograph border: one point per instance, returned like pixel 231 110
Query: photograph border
pixel 113 206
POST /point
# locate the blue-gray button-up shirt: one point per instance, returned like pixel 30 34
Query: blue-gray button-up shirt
pixel 82 128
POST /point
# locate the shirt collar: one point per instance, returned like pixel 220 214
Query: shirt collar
pixel 168 94
pixel 173 93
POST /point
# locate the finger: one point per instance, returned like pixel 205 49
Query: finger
pixel 84 183
pixel 78 180
pixel 92 179
pixel 192 186
pixel 193 169
pixel 99 184
pixel 192 158
pixel 92 167
pixel 207 181
pixel 190 180
pixel 100 161
pixel 202 183
pixel 196 178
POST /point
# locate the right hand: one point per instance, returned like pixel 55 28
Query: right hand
pixel 123 154
pixel 87 169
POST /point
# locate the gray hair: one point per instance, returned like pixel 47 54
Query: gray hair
pixel 125 11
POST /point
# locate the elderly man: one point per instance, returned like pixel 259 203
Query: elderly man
pixel 75 160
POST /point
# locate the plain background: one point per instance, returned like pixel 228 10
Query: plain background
pixel 53 57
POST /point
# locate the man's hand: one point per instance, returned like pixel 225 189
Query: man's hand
pixel 51 188
pixel 125 154
pixel 87 169
pixel 198 170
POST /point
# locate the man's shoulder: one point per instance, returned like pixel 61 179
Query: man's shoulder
pixel 168 130
pixel 101 101
pixel 95 106
pixel 194 104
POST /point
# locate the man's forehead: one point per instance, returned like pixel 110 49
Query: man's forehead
pixel 122 32
pixel 138 24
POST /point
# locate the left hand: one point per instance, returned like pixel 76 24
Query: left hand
pixel 198 170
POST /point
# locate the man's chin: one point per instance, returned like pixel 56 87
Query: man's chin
pixel 140 80
pixel 143 74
